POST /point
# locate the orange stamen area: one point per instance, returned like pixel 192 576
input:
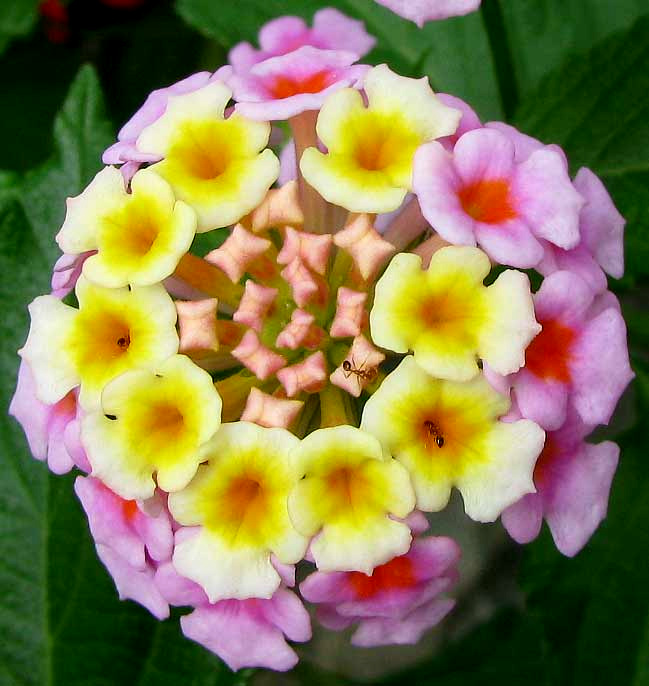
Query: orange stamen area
pixel 285 86
pixel 240 509
pixel 129 509
pixel 398 574
pixel 67 404
pixel 487 201
pixel 461 433
pixel 205 150
pixel 132 232
pixel 548 356
pixel 102 337
pixel 546 459
pixel 456 311
pixel 381 142
pixel 163 424
pixel 348 492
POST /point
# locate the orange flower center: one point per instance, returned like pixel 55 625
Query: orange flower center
pixel 548 355
pixel 396 574
pixel 129 509
pixel 546 459
pixel 487 201
pixel 285 86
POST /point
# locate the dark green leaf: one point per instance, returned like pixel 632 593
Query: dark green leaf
pixel 17 18
pixel 596 107
pixel 542 33
pixel 81 133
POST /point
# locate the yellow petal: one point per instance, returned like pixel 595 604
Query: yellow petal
pixel 448 433
pixel 152 423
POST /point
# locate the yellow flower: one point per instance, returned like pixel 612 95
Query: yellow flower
pixel 140 236
pixel 238 499
pixel 447 433
pixel 347 497
pixel 152 423
pixel 113 330
pixel 368 166
pixel 447 317
pixel 213 163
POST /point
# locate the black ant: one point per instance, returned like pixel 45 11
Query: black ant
pixel 124 342
pixel 434 431
pixel 368 374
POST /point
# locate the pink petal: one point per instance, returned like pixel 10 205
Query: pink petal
pixel 132 583
pixel 436 183
pixel 578 501
pixel 407 630
pixel 523 519
pixel 544 402
pixel 602 226
pixel 421 11
pixel 601 369
pixel 243 633
pixel 547 199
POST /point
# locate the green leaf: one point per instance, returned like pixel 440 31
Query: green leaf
pixel 544 32
pixel 595 106
pixel 454 53
pixel 17 18
pixel 81 133
pixel 60 618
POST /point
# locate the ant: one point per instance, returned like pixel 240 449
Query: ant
pixel 350 368
pixel 124 342
pixel 434 432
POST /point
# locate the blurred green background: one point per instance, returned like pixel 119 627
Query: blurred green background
pixel 574 72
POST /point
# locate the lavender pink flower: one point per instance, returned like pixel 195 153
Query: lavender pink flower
pixel 243 633
pixel 52 430
pixel 130 542
pixel 284 86
pixel 421 11
pixel 397 603
pixel 573 480
pixel 601 248
pixel 481 194
pixel 125 150
pixel 66 272
pixel 579 359
pixel 331 30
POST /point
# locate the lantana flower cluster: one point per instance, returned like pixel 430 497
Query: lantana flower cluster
pixel 364 341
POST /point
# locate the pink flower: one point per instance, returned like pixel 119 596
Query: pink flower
pixel 468 122
pixel 421 11
pixel 481 194
pixel 332 30
pixel 397 603
pixel 67 270
pixel 579 359
pixel 51 430
pixel 573 479
pixel 287 85
pixel 153 108
pixel 601 248
pixel 243 633
pixel 130 542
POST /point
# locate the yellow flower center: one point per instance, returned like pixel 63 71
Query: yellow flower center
pixel 239 507
pixel 100 339
pixel 381 142
pixel 204 150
